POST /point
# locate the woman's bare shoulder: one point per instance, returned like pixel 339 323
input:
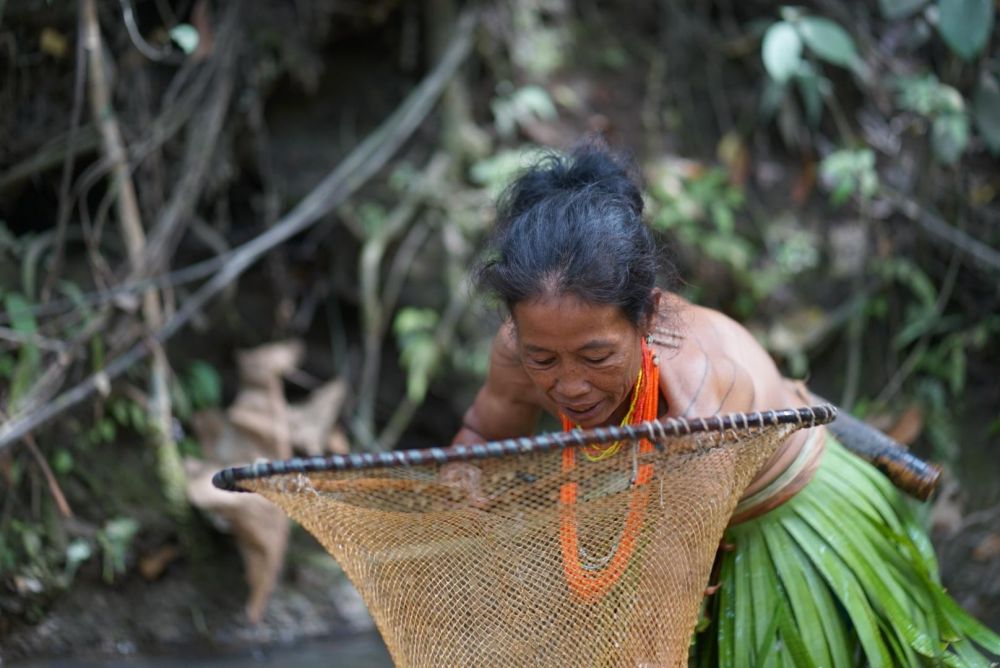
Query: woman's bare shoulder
pixel 709 363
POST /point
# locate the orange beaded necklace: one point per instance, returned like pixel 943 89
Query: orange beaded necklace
pixel 642 407
pixel 590 585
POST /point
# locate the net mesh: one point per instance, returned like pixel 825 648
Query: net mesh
pixel 540 558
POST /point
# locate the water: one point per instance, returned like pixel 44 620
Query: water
pixel 361 651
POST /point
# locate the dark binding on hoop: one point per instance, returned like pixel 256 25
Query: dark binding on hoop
pixel 907 472
pixel 653 430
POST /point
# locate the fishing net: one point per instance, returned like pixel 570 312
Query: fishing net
pixel 525 552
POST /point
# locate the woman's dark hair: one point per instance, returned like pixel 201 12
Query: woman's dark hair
pixel 573 225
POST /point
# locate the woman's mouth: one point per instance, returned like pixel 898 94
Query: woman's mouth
pixel 583 414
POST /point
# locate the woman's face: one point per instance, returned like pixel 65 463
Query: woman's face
pixel 585 357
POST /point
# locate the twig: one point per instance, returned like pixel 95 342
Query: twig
pixel 200 148
pixel 144 47
pixel 909 365
pixel 457 275
pixel 401 263
pixel 349 175
pixel 981 254
pixel 54 489
pixel 34 339
pixel 165 126
pixel 404 413
pixel 375 311
pixel 189 274
pixel 50 154
pixel 65 202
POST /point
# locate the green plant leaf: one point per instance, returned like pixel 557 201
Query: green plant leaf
pixel 29 356
pixel 900 9
pixel 828 40
pixel 62 461
pixel 847 172
pixel 949 136
pixel 965 25
pixel 414 328
pixel 77 552
pixel 812 99
pixel 186 37
pixel 204 385
pixel 986 111
pixel 771 98
pixel 812 606
pixel 782 51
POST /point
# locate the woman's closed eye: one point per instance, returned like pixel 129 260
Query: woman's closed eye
pixel 541 362
pixel 597 359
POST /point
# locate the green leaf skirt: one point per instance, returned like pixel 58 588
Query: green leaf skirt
pixel 840 575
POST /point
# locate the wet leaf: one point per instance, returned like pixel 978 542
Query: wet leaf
pixel 949 136
pixel 965 25
pixel 782 51
pixel 186 37
pixel 828 40
pixel 986 111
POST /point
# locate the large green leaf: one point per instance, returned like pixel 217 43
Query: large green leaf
pixel 764 601
pixel 844 582
pixel 860 555
pixel 812 603
pixel 727 613
pixel 782 51
pixel 828 40
pixel 986 111
pixel 965 25
pixel 899 9
pixel 806 606
pixel 742 632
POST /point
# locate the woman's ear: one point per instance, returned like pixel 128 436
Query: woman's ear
pixel 655 297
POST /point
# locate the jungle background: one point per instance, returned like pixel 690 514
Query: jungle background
pixel 242 230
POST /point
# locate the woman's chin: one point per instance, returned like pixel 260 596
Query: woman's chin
pixel 599 418
pixel 594 416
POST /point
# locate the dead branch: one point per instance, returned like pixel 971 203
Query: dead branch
pixel 130 220
pixel 364 161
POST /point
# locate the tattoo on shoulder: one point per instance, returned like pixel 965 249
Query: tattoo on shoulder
pixel 668 338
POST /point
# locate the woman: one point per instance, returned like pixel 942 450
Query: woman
pixel 821 545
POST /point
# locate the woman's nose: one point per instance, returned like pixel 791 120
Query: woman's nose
pixel 572 386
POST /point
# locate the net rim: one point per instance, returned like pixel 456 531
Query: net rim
pixel 655 431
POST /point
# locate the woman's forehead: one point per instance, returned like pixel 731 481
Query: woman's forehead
pixel 573 321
